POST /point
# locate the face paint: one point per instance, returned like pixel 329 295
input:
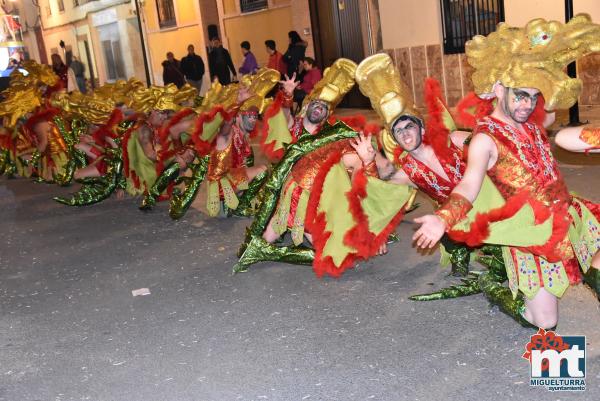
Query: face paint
pixel 249 119
pixel 317 111
pixel 408 134
pixel 519 103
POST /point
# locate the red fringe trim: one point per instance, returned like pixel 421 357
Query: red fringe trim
pixel 44 114
pixel 107 129
pixel 472 108
pixel 437 134
pixel 203 147
pixel 124 142
pixel 163 136
pixel 357 122
pixel 366 243
pixel 316 224
pixel 270 112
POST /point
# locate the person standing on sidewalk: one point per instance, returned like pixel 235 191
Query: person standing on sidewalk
pixel 192 67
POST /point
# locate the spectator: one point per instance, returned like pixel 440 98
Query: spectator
pixel 60 69
pixel 276 61
pixel 311 77
pixel 172 71
pixel 219 63
pixel 249 66
pixel 12 65
pixel 192 67
pixel 78 69
pixel 295 53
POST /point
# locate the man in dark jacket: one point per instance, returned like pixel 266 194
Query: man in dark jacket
pixel 172 71
pixel 192 67
pixel 219 62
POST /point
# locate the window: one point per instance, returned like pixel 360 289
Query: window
pixel 166 13
pixel 253 5
pixel 61 5
pixel 463 19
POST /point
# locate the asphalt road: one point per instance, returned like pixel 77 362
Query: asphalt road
pixel 70 328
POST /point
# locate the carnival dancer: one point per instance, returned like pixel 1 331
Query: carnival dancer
pixel 281 128
pixel 426 155
pixel 221 140
pixel 306 195
pixel 516 66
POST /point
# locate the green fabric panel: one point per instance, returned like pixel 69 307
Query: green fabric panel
pixel 519 230
pixel 444 256
pixel 229 196
pixel 213 201
pixel 139 163
pixel 447 119
pixel 278 131
pixel 185 137
pixel 336 207
pixel 383 201
pixel 283 209
pixel 211 128
pixel 584 235
pixel 297 230
pixel 528 276
pixel 511 272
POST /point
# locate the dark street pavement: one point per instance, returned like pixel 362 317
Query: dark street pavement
pixel 70 328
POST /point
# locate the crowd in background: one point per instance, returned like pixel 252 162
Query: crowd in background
pixel 292 63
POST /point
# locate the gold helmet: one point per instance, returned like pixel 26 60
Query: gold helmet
pixel 336 82
pixel 260 85
pixel 533 57
pixel 18 103
pixel 380 81
pixel 163 98
pixel 94 108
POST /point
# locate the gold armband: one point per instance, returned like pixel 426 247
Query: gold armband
pixel 454 209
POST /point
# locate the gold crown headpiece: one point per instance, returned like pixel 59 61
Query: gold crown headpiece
pixel 163 98
pixel 18 103
pixel 336 82
pixel 37 74
pixel 380 81
pixel 260 85
pixel 211 97
pixel 533 57
pixel 94 108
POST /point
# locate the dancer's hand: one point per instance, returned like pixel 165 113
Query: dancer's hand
pixel 364 148
pixel 431 231
pixel 289 84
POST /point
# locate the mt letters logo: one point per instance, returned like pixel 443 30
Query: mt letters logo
pixel 557 362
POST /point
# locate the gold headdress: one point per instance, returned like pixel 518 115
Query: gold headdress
pixel 37 74
pixel 163 98
pixel 380 81
pixel 534 57
pixel 211 97
pixel 336 82
pixel 260 85
pixel 94 108
pixel 18 103
pixel 120 91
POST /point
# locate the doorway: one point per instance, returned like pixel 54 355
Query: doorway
pixel 337 33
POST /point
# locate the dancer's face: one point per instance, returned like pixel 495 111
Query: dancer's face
pixel 408 134
pixel 519 103
pixel 317 111
pixel 249 119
